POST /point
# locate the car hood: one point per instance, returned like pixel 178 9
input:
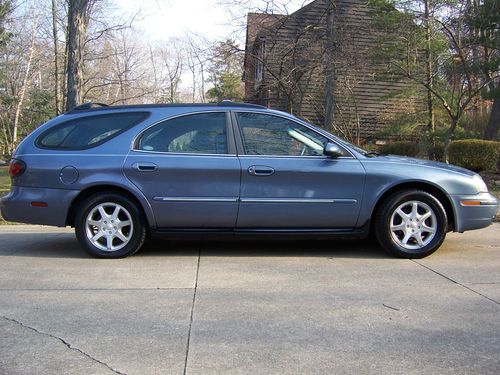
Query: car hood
pixel 426 163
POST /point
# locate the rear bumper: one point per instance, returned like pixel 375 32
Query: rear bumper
pixel 17 205
pixel 474 211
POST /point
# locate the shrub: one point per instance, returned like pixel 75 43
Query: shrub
pixel 436 151
pixel 475 154
pixel 405 148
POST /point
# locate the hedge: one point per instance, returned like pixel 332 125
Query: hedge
pixel 475 154
pixel 404 148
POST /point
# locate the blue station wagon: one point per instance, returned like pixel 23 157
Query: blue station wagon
pixel 118 173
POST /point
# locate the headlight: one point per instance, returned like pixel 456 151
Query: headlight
pixel 479 184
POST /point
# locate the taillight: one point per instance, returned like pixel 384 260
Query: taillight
pixel 16 168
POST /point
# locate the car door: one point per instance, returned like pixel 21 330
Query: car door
pixel 188 170
pixel 286 182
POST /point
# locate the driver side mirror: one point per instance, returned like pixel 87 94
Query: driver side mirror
pixel 332 150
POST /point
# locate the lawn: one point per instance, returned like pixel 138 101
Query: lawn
pixel 4 180
pixel 491 179
pixel 4 186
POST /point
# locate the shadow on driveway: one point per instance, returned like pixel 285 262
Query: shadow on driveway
pixel 65 245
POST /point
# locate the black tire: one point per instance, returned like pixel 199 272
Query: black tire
pixel 393 241
pixel 135 233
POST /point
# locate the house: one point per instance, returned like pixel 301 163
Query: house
pixel 320 63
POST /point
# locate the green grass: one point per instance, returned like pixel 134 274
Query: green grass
pixel 490 178
pixel 4 180
pixel 4 186
pixel 495 190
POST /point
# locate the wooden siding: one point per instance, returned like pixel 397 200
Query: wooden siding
pixel 295 63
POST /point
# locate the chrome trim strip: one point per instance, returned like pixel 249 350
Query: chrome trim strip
pixel 318 157
pixel 294 157
pixel 252 200
pixel 342 200
pixel 489 203
pixel 183 154
pixel 195 199
pixel 296 200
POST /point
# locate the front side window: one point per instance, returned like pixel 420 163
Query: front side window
pixel 202 133
pixel 87 132
pixel 272 135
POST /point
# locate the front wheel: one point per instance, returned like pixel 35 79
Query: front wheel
pixel 411 224
pixel 109 225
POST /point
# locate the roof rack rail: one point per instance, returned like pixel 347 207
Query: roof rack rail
pixel 230 103
pixel 88 105
pixel 101 106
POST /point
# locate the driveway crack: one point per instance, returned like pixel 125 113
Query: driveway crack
pixel 455 282
pixel 192 310
pixel 68 345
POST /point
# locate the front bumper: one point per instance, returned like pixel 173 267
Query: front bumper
pixel 474 211
pixel 17 205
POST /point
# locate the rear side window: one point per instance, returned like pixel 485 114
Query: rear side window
pixel 87 132
pixel 203 133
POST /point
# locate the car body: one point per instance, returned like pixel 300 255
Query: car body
pixel 230 168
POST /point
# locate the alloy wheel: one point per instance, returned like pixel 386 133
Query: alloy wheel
pixel 109 226
pixel 413 225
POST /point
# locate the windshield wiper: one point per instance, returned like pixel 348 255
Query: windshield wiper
pixel 371 154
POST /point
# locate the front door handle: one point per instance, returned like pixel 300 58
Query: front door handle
pixel 260 170
pixel 145 167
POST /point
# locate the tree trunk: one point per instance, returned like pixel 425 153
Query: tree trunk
pixel 24 86
pixel 449 136
pixel 202 82
pixel 289 103
pixel 64 78
pixel 428 67
pixel 491 131
pixel 57 85
pixel 329 67
pixel 78 20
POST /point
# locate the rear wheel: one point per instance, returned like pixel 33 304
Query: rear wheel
pixel 109 225
pixel 411 224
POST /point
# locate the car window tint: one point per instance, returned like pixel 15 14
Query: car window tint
pixel 203 133
pixel 86 132
pixel 273 135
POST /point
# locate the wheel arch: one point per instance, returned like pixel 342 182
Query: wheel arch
pixel 418 185
pixel 108 188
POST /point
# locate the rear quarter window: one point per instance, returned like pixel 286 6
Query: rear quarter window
pixel 90 131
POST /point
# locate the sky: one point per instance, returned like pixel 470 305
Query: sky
pixel 164 19
pixel 160 20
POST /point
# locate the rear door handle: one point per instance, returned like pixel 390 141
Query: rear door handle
pixel 145 167
pixel 260 170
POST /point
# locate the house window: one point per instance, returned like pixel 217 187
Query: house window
pixel 259 64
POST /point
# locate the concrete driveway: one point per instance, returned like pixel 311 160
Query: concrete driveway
pixel 248 307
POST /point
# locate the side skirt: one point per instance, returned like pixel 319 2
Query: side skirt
pixel 259 233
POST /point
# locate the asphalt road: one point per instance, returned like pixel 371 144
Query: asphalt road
pixel 248 307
